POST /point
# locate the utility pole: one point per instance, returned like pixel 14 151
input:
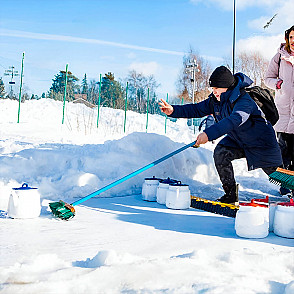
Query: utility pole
pixel 13 73
pixel 234 35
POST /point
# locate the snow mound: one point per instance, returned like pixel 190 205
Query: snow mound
pixel 107 258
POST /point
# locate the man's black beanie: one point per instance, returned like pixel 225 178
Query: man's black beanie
pixel 221 78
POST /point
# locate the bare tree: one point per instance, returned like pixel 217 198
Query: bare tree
pixel 185 80
pixel 93 92
pixel 253 65
pixel 138 87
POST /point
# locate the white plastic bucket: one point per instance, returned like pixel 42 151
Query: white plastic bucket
pixel 272 212
pixel 252 220
pixel 284 219
pixel 149 189
pixel 272 208
pixel 178 196
pixel 24 202
pixel 4 198
pixel 162 190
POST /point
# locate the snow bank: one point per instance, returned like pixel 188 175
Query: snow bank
pixel 118 243
pixel 119 273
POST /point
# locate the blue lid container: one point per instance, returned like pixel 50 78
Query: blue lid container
pixel 169 181
pixel 24 186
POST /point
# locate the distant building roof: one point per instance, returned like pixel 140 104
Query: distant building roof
pixel 82 98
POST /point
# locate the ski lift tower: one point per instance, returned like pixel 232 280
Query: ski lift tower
pixel 191 69
pixel 13 73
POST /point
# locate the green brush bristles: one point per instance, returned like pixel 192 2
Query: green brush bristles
pixel 283 179
pixel 62 210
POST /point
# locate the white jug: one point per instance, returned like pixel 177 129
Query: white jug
pixel 24 202
pixel 178 196
pixel 162 190
pixel 252 220
pixel 284 219
pixel 272 212
pixel 272 209
pixel 4 197
pixel 149 188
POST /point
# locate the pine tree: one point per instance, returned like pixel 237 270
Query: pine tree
pixel 56 91
pixel 85 87
pixel 2 89
pixel 112 92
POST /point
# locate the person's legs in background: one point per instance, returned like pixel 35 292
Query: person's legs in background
pixel 286 143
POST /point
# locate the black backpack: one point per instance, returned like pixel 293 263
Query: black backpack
pixel 265 101
pixel 263 98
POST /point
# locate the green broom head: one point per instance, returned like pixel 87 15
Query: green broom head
pixel 62 210
pixel 283 177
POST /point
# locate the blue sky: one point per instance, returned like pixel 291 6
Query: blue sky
pixel 152 36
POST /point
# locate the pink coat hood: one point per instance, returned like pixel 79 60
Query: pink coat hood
pixel 284 97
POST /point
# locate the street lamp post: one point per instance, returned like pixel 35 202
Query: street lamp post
pixel 13 73
pixel 191 69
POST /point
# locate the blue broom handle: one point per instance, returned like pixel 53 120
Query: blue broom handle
pixel 117 182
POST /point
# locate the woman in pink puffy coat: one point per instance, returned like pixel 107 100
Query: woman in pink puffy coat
pixel 280 77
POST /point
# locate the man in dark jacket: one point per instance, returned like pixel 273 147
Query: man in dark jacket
pixel 248 133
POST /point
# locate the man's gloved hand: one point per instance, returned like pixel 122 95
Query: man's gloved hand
pixel 201 139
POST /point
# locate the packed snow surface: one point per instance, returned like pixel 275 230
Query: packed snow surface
pixel 118 243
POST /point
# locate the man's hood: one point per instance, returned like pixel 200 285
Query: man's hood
pixel 242 81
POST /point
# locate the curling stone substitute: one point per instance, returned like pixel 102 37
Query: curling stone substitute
pixel 4 197
pixel 252 220
pixel 178 196
pixel 284 219
pixel 162 190
pixel 272 209
pixel 24 202
pixel 149 188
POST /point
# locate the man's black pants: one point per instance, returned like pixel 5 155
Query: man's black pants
pixel 223 157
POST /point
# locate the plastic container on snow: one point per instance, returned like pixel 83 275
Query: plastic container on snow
pixel 24 202
pixel 252 220
pixel 178 196
pixel 4 198
pixel 162 190
pixel 149 188
pixel 272 212
pixel 272 209
pixel 284 219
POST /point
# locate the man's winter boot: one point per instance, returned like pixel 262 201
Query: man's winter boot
pixel 285 192
pixel 231 195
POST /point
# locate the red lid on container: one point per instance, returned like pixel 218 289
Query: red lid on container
pixel 253 204
pixel 265 200
pixel 291 203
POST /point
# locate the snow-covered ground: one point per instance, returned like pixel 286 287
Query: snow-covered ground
pixel 118 243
